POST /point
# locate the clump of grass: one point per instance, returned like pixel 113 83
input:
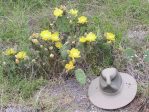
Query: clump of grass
pixel 14 89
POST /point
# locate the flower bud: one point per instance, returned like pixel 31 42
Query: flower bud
pixel 51 55
pixel 17 61
pixel 35 35
pixel 70 21
pixel 41 46
pixel 35 41
pixel 33 60
pixel 51 47
pixel 73 42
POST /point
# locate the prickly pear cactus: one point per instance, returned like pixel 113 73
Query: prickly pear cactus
pixel 63 51
pixel 62 24
pixel 146 56
pixel 129 53
pixel 80 76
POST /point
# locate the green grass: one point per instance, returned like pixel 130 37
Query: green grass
pixel 15 88
pixel 20 18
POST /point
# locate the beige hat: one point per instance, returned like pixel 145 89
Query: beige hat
pixel 112 90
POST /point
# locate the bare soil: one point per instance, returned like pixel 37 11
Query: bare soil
pixel 71 97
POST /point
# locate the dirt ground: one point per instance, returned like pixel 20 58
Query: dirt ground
pixel 69 96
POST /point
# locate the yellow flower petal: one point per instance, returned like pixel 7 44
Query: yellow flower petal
pixel 69 66
pixel 58 45
pixel 82 20
pixel 58 12
pixel 74 53
pixel 110 36
pixel 73 12
pixel 45 35
pixel 82 39
pixel 21 55
pixel 10 51
pixel 55 37
pixel 91 37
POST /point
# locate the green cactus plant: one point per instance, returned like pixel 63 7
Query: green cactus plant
pixel 129 53
pixel 146 56
pixel 62 24
pixel 63 51
pixel 80 76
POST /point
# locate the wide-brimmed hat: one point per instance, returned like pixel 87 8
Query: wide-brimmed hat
pixel 112 90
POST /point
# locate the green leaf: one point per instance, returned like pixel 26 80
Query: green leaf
pixel 146 56
pixel 80 76
pixel 129 53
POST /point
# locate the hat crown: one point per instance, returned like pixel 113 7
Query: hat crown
pixel 110 80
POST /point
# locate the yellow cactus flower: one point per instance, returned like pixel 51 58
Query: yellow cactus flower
pixel 10 51
pixel 74 53
pixel 69 66
pixel 90 37
pixel 21 55
pixel 58 12
pixel 82 39
pixel 82 20
pixel 35 41
pixel 110 36
pixel 55 37
pixel 45 35
pixel 73 12
pixel 58 45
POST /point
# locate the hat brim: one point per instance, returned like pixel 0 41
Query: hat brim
pixel 121 99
